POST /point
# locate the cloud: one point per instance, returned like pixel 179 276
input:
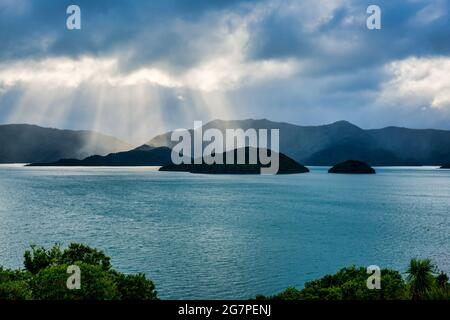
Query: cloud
pixel 299 61
pixel 222 73
pixel 430 13
pixel 418 82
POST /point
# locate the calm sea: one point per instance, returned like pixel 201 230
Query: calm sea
pixel 208 236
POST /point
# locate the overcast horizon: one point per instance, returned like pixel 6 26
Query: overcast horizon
pixel 138 68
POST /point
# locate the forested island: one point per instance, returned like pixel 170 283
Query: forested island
pixel 352 167
pixel 286 165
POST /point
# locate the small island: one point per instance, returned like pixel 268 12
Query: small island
pixel 447 166
pixel 352 167
pixel 286 166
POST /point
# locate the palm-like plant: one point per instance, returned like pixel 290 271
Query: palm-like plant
pixel 420 277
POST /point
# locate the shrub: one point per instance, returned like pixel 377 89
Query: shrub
pixel 15 290
pixel 39 258
pixel 80 252
pixel 45 277
pixel 14 285
pixel 135 287
pixel 349 284
pixel 96 284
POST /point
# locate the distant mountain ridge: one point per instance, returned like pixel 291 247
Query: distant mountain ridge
pixel 337 142
pixel 324 145
pixel 24 143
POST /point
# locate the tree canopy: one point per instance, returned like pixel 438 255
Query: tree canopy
pixel 421 282
pixel 45 277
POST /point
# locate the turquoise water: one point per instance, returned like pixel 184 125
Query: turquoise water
pixel 204 236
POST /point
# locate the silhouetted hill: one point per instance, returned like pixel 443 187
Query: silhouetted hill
pixel 23 143
pixel 334 143
pixel 421 147
pixel 354 149
pixel 142 156
pixel 352 167
pixel 286 166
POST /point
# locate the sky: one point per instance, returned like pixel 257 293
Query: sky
pixel 139 68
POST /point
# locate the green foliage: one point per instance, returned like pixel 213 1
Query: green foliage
pixel 80 252
pixel 39 258
pixel 439 293
pixel 96 284
pixel 421 277
pixel 290 293
pixel 15 290
pixel 440 289
pixel 135 287
pixel 14 285
pixel 13 275
pixel 349 284
pixel 45 277
pixel 442 280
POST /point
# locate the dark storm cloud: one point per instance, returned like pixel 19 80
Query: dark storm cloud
pixel 143 29
pixel 403 34
pixel 341 64
pixel 149 31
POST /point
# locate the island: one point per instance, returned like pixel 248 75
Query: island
pixel 286 166
pixel 352 167
pixel 446 166
pixel 141 156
